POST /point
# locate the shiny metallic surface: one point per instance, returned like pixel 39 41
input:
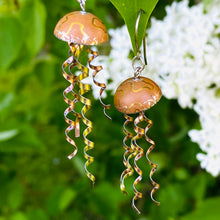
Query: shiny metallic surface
pixel 81 28
pixel 136 94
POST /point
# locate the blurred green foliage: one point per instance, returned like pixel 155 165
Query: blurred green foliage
pixel 37 181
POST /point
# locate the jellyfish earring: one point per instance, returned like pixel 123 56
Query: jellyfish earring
pixel 81 30
pixel 134 96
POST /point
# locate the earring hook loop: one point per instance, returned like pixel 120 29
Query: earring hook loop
pixel 138 65
pixel 136 29
pixel 136 37
pixel 82 4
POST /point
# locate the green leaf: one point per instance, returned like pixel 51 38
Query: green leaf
pixel 18 216
pixel 27 139
pixel 108 198
pixel 11 39
pixel 77 213
pixel 37 214
pixel 6 101
pixel 207 210
pixel 129 10
pixel 7 135
pixel 16 195
pixel 67 197
pixel 45 64
pixel 33 18
pixel 199 185
pixel 177 202
pixel 60 199
pixel 79 165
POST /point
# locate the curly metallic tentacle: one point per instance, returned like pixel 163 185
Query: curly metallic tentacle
pixel 87 105
pixel 72 125
pixel 102 86
pixel 75 49
pixel 70 102
pixel 133 152
pixel 140 152
pixel 156 185
pixel 69 121
pixel 129 170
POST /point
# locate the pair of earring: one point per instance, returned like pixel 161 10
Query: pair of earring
pixel 134 96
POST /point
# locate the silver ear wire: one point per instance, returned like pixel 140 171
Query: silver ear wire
pixel 82 4
pixel 144 41
pixel 138 65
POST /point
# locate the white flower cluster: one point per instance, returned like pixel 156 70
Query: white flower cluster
pixel 208 108
pixel 184 59
pixel 185 51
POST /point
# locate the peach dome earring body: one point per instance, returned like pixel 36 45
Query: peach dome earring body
pixel 81 30
pixel 81 27
pixel 134 96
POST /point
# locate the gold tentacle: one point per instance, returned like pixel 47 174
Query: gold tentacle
pixel 156 185
pixel 129 170
pixel 72 124
pixel 139 153
pixel 72 79
pixel 72 103
pixel 75 49
pixel 87 105
pixel 102 86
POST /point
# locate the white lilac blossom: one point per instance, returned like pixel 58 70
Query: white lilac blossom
pixel 184 49
pixel 208 108
pixel 184 59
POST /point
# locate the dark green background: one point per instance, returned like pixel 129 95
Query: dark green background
pixel 37 181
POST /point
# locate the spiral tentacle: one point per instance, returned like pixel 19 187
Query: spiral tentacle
pixel 83 88
pixel 156 185
pixel 140 152
pixel 72 125
pixel 102 86
pixel 128 150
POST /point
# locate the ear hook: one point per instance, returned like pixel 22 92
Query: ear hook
pixel 144 41
pixel 82 4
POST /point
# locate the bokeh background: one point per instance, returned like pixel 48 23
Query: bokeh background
pixel 37 181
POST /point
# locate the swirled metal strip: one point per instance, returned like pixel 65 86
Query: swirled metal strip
pixel 156 185
pixel 72 125
pixel 102 86
pixel 140 152
pixel 72 102
pixel 129 170
pixel 87 105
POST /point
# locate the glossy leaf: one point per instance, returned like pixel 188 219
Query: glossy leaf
pixel 33 18
pixel 207 210
pixel 15 195
pixel 37 214
pixel 26 139
pixel 6 135
pixel 129 10
pixel 18 216
pixel 11 39
pixel 5 101
pixel 66 198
